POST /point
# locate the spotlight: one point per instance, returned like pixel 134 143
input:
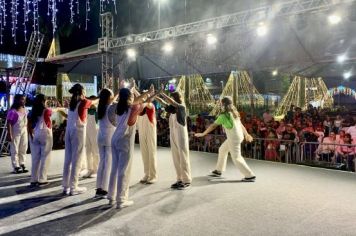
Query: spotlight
pixel 126 84
pixel 341 58
pixel 334 19
pixel 347 75
pixel 167 47
pixel 211 39
pixel 131 53
pixel 275 72
pixel 261 29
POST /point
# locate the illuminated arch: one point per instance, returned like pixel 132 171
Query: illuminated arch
pixel 342 90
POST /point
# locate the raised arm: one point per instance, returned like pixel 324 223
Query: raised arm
pixel 160 100
pixel 169 100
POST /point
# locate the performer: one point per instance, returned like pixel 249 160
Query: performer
pixel 90 163
pixel 75 139
pixel 41 139
pixel 147 130
pixel 128 108
pixel 235 132
pixel 107 125
pixel 17 131
pixel 178 138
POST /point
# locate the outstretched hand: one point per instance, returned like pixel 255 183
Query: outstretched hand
pixel 249 138
pixel 199 135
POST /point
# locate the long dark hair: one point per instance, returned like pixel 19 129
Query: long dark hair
pixel 77 91
pixel 16 104
pixel 37 107
pixel 122 105
pixel 228 106
pixel 104 98
pixel 177 97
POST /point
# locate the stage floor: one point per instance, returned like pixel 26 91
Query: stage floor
pixel 285 200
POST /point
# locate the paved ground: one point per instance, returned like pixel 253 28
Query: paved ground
pixel 285 200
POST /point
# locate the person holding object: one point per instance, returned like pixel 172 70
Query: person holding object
pixel 235 132
pixel 17 132
pixel 178 138
pixel 41 139
pixel 75 138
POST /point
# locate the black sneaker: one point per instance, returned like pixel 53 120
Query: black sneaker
pixel 249 179
pixel 216 173
pixel 17 170
pixel 24 170
pixel 33 184
pixel 176 184
pixel 183 186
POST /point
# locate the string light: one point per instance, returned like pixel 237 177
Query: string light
pixel 31 11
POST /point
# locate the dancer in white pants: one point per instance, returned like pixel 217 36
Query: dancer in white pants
pixel 107 126
pixel 41 139
pixel 178 139
pixel 128 108
pixel 235 133
pixel 75 139
pixel 147 130
pixel 17 131
pixel 90 163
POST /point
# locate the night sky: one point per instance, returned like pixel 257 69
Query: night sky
pixel 133 16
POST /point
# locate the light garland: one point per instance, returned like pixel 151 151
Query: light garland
pixel 32 6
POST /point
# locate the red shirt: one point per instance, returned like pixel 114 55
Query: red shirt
pixel 47 117
pixel 84 105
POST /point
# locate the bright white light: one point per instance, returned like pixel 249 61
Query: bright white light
pixel 275 72
pixel 126 84
pixel 334 19
pixel 262 29
pixel 211 39
pixel 174 81
pixel 167 47
pixel 131 53
pixel 162 1
pixel 341 58
pixel 347 75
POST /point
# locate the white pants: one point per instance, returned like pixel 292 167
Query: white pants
pixel 235 152
pixel 18 148
pixel 148 146
pixel 74 153
pixel 41 148
pixel 102 180
pixel 92 152
pixel 122 150
pixel 180 153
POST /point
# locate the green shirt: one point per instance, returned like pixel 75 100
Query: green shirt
pixel 226 120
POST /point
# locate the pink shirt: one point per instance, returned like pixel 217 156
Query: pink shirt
pixel 12 116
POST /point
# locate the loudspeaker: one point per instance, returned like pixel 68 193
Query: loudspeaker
pixel 45 74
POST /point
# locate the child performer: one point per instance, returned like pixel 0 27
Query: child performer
pixel 235 132
pixel 107 125
pixel 147 130
pixel 41 139
pixel 75 139
pixel 17 131
pixel 178 139
pixel 122 143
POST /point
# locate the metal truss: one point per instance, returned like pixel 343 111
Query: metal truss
pixel 107 60
pixel 239 19
pixel 28 67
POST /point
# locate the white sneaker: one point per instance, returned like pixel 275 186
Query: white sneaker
pixel 125 204
pixel 65 191
pixel 78 190
pixel 151 181
pixel 84 173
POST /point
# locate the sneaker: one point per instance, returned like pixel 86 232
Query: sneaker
pixel 93 176
pixel 83 173
pixel 33 184
pixel 77 191
pixel 183 186
pixel 24 170
pixel 216 173
pixel 86 174
pixel 42 184
pixel 125 204
pixel 151 181
pixel 143 180
pixel 249 179
pixel 100 194
pixel 65 192
pixel 176 184
pixel 17 170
